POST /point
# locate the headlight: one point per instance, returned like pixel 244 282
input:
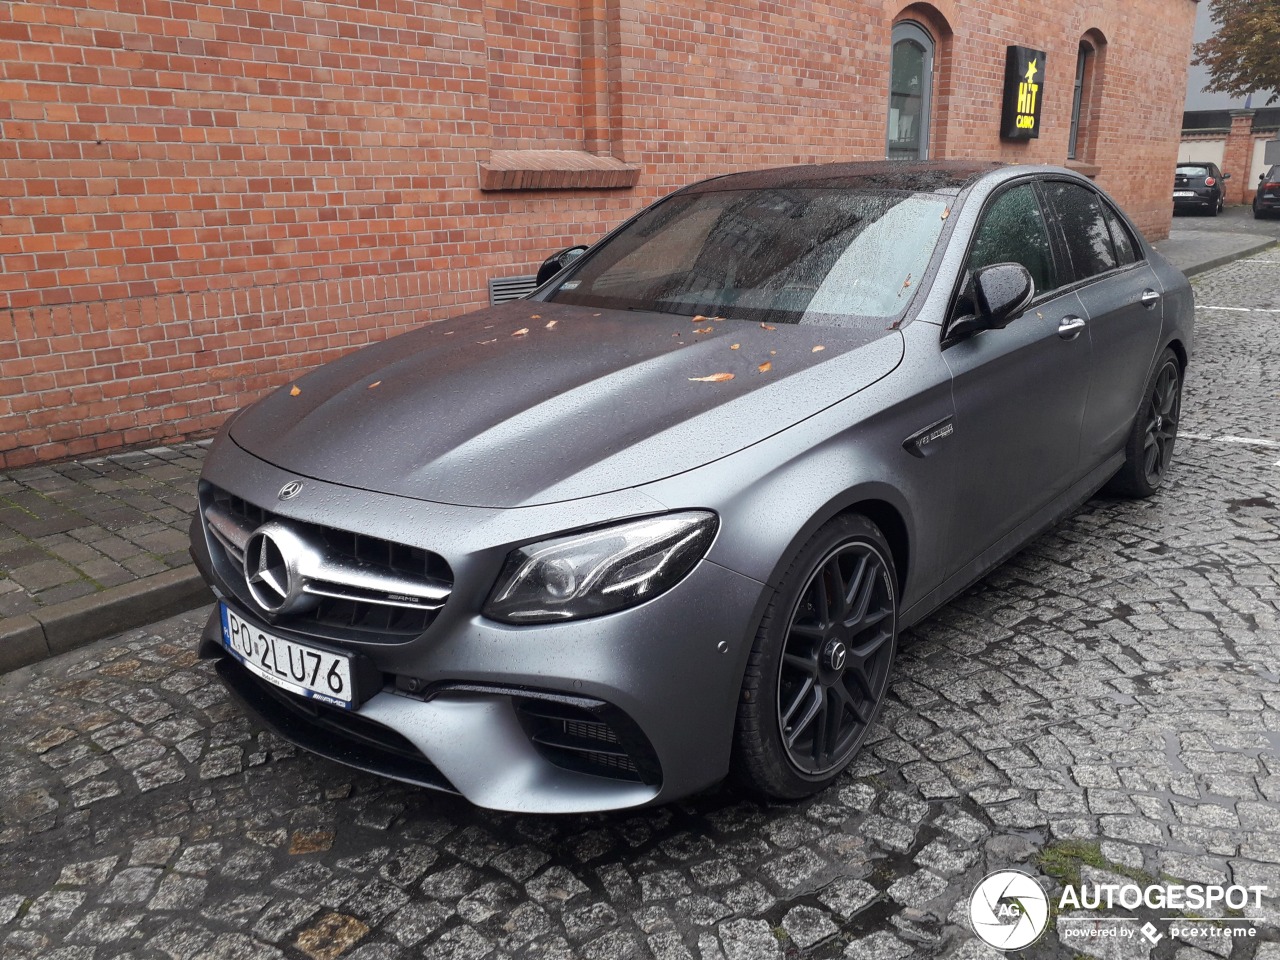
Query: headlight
pixel 587 574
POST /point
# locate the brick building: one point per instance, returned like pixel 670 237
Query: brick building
pixel 200 199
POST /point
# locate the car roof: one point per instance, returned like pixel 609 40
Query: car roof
pixel 949 176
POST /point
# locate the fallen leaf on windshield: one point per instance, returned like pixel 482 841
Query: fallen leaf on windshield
pixel 735 346
pixel 907 282
pixel 765 326
pixel 294 392
pixel 376 383
pixel 714 378
pixel 704 330
pixel 521 332
pixel 765 367
pixel 818 349
pixel 551 324
pixel 946 213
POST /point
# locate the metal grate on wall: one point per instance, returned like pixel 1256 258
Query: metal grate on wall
pixel 502 289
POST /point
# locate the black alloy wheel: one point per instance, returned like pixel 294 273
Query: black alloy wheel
pixel 820 666
pixel 1163 411
pixel 835 663
pixel 1149 449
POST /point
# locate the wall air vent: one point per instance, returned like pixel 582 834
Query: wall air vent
pixel 502 289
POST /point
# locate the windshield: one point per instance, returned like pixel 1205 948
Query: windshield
pixel 802 255
pixel 1194 171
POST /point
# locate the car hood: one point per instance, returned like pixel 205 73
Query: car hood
pixel 532 403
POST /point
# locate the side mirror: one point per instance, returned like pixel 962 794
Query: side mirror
pixel 1000 293
pixel 558 261
pixel 1226 176
pixel 1262 177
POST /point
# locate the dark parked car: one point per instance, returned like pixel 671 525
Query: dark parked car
pixel 666 519
pixel 1199 186
pixel 1267 200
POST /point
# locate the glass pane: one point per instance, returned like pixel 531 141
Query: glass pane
pixel 1126 249
pixel 789 255
pixel 1088 239
pixel 907 92
pixel 1014 231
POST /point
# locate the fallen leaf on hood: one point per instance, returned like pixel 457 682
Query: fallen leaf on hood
pixel 551 324
pixel 521 332
pixel 765 367
pixel 483 342
pixel 536 316
pixel 714 378
pixel 698 319
pixel 376 383
pixel 717 319
pixel 704 330
pixel 449 333
pixel 818 349
pixel 735 346
pixel 765 326
pixel 773 353
pixel 294 392
pixel 595 314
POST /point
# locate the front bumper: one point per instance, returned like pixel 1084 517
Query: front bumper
pixel 454 709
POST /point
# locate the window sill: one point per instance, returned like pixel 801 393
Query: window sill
pixel 1090 170
pixel 555 170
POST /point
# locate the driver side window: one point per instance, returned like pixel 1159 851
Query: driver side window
pixel 1014 231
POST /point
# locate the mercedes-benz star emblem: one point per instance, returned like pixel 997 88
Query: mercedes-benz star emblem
pixel 271 560
pixel 290 490
pixel 837 655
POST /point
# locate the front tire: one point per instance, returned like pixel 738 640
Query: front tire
pixel 1149 449
pixel 819 668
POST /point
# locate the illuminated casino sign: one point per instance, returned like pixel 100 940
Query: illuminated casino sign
pixel 1023 93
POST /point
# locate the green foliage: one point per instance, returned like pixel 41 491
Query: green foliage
pixel 1243 57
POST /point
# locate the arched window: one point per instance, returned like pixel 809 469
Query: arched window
pixel 910 92
pixel 1082 65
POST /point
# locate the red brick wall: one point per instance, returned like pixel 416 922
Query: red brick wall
pixel 198 200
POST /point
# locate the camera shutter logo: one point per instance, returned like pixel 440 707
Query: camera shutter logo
pixel 1009 910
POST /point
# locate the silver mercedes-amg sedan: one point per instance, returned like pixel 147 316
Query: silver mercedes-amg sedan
pixel 664 520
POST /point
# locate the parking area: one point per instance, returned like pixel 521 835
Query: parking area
pixel 1106 704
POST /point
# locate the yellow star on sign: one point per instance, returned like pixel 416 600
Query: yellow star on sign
pixel 1031 72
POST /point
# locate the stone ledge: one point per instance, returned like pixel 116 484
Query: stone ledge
pixel 1090 170
pixel 555 170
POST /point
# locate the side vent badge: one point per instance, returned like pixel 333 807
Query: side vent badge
pixel 922 442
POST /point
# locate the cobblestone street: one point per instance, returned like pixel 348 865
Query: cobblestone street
pixel 1106 704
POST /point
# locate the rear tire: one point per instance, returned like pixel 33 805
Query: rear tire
pixel 819 667
pixel 1149 449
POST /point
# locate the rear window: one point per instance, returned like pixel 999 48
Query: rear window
pixel 1194 171
pixel 781 255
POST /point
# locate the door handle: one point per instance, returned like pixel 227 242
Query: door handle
pixel 1150 298
pixel 1069 328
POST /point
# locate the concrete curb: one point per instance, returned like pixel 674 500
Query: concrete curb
pixel 46 633
pixel 1196 268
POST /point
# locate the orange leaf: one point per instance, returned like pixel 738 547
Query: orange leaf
pixel 483 342
pixel 704 330
pixel 735 346
pixel 551 324
pixel 765 367
pixel 698 319
pixel 718 319
pixel 521 332
pixel 536 316
pixel 765 326
pixel 946 213
pixel 818 349
pixel 714 378
pixel 294 392
pixel 375 383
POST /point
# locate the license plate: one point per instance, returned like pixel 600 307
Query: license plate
pixel 1184 193
pixel 297 667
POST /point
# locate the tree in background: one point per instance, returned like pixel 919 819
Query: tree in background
pixel 1243 56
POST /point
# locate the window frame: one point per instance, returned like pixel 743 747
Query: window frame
pixel 911 30
pixel 1077 104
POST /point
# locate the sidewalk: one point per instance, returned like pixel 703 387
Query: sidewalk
pixel 93 547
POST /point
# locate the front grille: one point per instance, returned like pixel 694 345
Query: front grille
pixel 357 587
pixel 593 738
pixel 337 734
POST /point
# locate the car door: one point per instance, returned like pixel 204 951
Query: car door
pixel 1019 392
pixel 1122 304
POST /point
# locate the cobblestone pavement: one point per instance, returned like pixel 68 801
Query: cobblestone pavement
pixel 71 529
pixel 1105 705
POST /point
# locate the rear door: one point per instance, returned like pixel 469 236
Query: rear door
pixel 1020 392
pixel 1121 297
